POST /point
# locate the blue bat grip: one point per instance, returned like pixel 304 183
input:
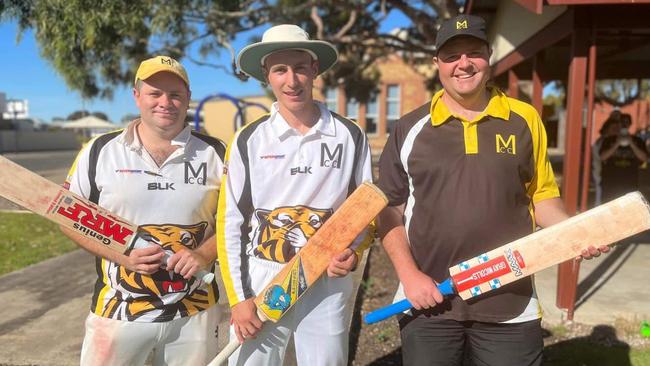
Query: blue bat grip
pixel 446 288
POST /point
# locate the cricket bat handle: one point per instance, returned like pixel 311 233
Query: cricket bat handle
pixel 204 275
pixel 232 346
pixel 446 287
pixel 228 350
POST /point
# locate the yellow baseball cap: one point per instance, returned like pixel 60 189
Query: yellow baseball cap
pixel 158 64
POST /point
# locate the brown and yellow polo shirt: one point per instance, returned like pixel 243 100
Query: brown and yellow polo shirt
pixel 469 187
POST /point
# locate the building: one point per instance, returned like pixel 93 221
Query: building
pixel 16 109
pixel 402 88
pixel 220 113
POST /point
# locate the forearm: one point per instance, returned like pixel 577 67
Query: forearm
pixel 640 154
pixel 399 253
pixel 208 250
pixel 550 211
pixel 606 154
pixel 393 235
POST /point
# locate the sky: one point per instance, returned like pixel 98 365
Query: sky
pixel 24 74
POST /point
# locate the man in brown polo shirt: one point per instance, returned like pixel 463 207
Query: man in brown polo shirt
pixel 464 174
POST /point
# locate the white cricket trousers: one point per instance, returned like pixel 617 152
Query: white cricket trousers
pixel 318 322
pixel 185 341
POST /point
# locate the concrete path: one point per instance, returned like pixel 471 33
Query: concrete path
pixel 610 287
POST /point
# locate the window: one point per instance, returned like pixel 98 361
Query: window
pixel 332 100
pixel 352 109
pixel 372 115
pixel 392 106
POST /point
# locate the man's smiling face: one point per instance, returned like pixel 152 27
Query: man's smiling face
pixel 463 67
pixel 291 75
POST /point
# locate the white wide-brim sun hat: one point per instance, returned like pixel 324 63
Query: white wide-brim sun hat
pixel 284 37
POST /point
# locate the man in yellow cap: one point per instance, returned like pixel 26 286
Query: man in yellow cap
pixel 163 176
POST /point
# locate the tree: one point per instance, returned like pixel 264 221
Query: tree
pixel 623 91
pixel 96 45
pixel 77 114
pixel 100 115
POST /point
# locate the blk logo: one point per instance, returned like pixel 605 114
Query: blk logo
pixel 461 25
pixel 331 159
pixel 508 146
pixel 196 176
pixel 161 187
pixel 301 170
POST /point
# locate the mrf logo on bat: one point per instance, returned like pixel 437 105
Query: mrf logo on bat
pixel 90 223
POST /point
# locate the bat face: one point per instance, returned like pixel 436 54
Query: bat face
pixel 48 199
pixel 89 221
pixel 603 225
pixel 336 234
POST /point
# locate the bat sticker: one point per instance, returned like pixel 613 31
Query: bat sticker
pixel 279 298
pixel 104 228
pixel 516 261
pixel 486 271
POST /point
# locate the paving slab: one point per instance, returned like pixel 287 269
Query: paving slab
pixel 610 287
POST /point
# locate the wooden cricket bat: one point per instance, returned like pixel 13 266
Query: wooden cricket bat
pixel 603 225
pixel 65 208
pixel 306 267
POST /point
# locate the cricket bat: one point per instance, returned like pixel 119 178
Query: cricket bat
pixel 603 225
pixel 70 210
pixel 306 267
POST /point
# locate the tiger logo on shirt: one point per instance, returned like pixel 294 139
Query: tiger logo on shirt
pixel 163 294
pixel 283 231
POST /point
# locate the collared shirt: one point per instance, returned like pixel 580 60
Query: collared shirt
pixel 280 187
pixel 175 204
pixel 469 187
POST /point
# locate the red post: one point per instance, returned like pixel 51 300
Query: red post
pixel 538 87
pixel 586 165
pixel 513 84
pixel 568 271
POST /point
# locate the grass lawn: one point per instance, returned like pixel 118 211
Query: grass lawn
pixel 27 238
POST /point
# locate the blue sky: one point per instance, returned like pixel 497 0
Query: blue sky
pixel 25 75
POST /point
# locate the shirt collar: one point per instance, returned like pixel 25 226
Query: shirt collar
pixel 282 129
pixel 131 139
pixel 498 107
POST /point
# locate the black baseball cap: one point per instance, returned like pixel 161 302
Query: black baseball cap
pixel 461 25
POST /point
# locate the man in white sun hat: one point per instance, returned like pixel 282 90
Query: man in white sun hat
pixel 286 174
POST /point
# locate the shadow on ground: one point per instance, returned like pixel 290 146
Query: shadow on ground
pixel 600 348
